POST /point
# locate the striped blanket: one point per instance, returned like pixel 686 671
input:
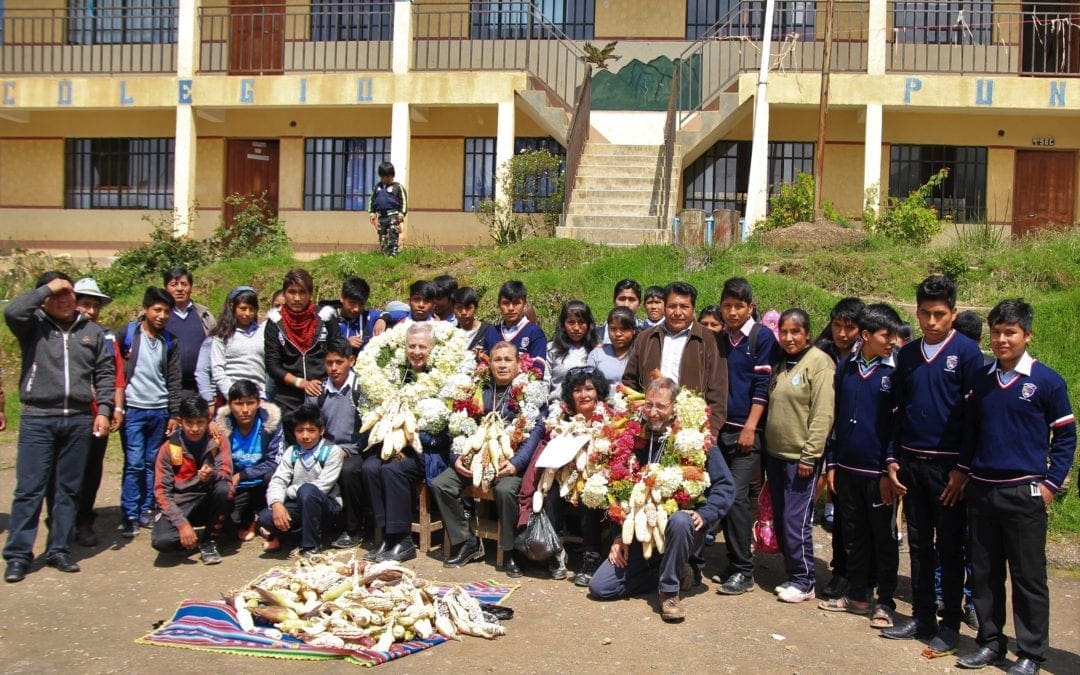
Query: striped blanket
pixel 212 627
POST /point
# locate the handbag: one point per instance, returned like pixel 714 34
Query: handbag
pixel 538 541
pixel 764 534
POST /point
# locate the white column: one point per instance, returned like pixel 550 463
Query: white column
pixel 504 144
pixel 878 24
pixel 187 49
pixel 399 59
pixel 400 140
pixel 872 154
pixel 757 192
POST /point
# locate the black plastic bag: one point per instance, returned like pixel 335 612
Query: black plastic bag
pixel 538 541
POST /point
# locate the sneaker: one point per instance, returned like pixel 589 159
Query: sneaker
pixel 827 522
pixel 590 562
pixel 557 567
pixel 209 553
pixel 737 584
pixel 781 587
pixel 129 528
pixel 146 520
pixel 671 609
pixel 793 594
pixel 346 540
pixel 309 553
pixel 710 538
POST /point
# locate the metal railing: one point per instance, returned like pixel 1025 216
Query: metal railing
pixel 976 37
pixel 712 63
pixel 671 128
pixel 265 38
pixel 137 39
pixel 497 36
pixel 577 136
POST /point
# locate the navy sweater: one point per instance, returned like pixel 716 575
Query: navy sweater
pixel 930 396
pixel 1010 422
pixel 863 424
pixel 748 378
pixel 528 338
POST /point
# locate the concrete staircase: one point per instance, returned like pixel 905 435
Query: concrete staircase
pixel 547 111
pixel 616 198
pixel 705 127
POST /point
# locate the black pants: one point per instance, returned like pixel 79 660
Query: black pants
pixel 1008 525
pixel 209 510
pixel 389 485
pixel 91 481
pixel 590 519
pixel 935 531
pixel 247 502
pixel 739 522
pixel 353 495
pixel 309 514
pixel 869 536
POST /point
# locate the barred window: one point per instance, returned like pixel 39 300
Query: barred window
pixel 479 172
pixel 510 20
pixel 351 20
pixel 720 177
pixel 114 22
pixel 339 173
pixel 746 18
pixel 943 22
pixel 545 185
pixel 118 173
pixel 962 196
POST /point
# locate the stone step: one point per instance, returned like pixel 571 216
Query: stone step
pixel 644 163
pixel 615 196
pixel 607 183
pixel 578 207
pixel 615 236
pixel 611 220
pixel 613 149
pixel 616 171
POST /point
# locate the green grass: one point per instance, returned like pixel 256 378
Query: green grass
pixel 1045 270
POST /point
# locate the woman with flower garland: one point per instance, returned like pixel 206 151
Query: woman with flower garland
pixel 611 358
pixel 801 400
pixel 575 337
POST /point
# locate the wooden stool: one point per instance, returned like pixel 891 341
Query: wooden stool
pixel 425 526
pixel 486 528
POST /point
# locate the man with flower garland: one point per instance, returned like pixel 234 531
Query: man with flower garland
pixel 627 571
pixel 499 393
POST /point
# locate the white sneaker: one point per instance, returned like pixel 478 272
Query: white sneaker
pixel 793 594
pixel 779 589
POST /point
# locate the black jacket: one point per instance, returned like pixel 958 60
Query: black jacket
pixel 284 358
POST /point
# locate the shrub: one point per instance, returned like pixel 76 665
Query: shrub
pixel 909 220
pixel 144 263
pixel 534 184
pixel 255 231
pixel 795 204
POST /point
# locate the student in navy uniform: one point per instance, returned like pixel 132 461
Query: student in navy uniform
pixel 354 320
pixel 515 327
pixel 654 307
pixel 388 206
pixel 933 375
pixel 750 349
pixel 970 324
pixel 1021 444
pixel 465 301
pixel 855 463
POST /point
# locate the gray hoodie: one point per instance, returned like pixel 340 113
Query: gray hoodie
pixel 63 370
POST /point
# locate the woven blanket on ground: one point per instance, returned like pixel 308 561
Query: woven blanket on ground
pixel 212 627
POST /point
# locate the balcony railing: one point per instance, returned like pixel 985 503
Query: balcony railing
pixel 137 39
pixel 269 37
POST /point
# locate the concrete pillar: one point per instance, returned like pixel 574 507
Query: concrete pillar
pixel 504 144
pixel 872 155
pixel 399 60
pixel 757 192
pixel 878 24
pixel 400 140
pixel 187 51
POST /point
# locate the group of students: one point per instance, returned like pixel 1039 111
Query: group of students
pixel 253 427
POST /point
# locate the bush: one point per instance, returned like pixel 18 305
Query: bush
pixel 795 204
pixel 534 184
pixel 145 264
pixel 255 231
pixel 909 220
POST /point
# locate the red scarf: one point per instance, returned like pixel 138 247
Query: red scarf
pixel 300 326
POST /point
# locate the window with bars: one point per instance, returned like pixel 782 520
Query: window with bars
pixel 479 172
pixel 511 20
pixel 961 197
pixel 114 22
pixel 546 185
pixel 719 178
pixel 339 173
pixel 118 173
pixel 351 20
pixel 746 18
pixel 944 22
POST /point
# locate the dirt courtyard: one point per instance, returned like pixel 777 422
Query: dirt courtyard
pixel 87 622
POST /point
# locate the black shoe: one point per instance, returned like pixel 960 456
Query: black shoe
pixel 63 562
pixel 910 630
pixel 971 618
pixel 85 536
pixel 511 568
pixel 469 550
pixel 944 642
pixel 835 588
pixel 16 571
pixel 590 562
pixel 373 554
pixel 309 553
pixel 1024 666
pixel 980 658
pixel 346 540
pixel 557 567
pixel 498 611
pixel 209 553
pixel 737 584
pixel 129 529
pixel 400 552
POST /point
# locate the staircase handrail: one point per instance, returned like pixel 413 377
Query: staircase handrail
pixel 671 129
pixel 577 137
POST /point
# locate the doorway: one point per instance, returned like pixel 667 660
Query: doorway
pixel 251 171
pixel 257 37
pixel 1044 190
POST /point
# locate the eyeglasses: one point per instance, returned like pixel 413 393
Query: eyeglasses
pixel 581 370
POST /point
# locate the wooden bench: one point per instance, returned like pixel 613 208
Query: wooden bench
pixel 486 528
pixel 424 525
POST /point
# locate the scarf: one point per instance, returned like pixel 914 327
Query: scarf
pixel 300 326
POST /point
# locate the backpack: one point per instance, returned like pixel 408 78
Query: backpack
pixel 321 455
pixel 129 338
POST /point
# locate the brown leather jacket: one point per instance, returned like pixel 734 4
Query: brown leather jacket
pixel 702 368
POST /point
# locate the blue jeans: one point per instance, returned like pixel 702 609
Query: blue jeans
pixel 142 434
pixel 50 449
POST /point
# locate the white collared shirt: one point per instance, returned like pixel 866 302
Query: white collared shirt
pixel 182 313
pixel 349 385
pixel 671 352
pixel 1023 367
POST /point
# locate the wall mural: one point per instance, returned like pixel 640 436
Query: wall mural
pixel 644 86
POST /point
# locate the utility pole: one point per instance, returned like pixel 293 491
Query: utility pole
pixel 757 191
pixel 823 112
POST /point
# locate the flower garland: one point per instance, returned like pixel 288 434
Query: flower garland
pixel 395 400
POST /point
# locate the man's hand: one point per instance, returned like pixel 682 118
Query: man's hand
pixel 746 440
pixel 1046 495
pixel 117 420
pixel 460 467
pixel 697 520
pixel 356 341
pixel 206 472
pixel 374 221
pixel 101 426
pixel 282 521
pixel 896 488
pixel 830 480
pixel 171 426
pixel 804 471
pixel 954 489
pixel 619 554
pixel 187 536
pixel 60 286
pixel 311 387
pixel 236 479
pixel 378 327
pixel 506 469
pixel 888 493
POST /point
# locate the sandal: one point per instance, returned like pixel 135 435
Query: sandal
pixel 843 604
pixel 881 617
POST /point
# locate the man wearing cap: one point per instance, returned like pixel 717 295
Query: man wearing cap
pixel 88 301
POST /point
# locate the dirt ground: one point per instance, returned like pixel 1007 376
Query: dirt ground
pixel 87 622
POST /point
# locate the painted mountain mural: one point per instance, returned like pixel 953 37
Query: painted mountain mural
pixel 645 86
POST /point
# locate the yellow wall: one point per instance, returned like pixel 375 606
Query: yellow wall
pixel 32 174
pixel 437 177
pixel 638 19
pixel 843 178
pixel 291 174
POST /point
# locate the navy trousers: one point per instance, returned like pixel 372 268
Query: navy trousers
pixel 310 512
pixel 682 544
pixel 793 510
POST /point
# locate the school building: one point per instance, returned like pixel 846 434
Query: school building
pixel 116 113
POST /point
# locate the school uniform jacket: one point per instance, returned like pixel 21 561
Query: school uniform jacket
pixel 748 374
pixel 527 337
pixel 863 423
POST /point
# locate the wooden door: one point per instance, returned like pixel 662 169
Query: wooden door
pixel 251 171
pixel 257 40
pixel 1044 191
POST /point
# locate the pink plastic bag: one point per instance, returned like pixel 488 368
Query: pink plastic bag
pixel 764 535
